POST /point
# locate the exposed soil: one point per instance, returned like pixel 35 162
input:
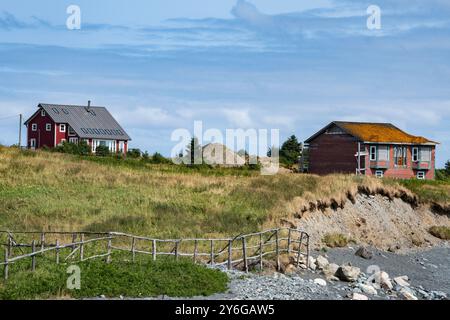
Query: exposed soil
pixel 375 220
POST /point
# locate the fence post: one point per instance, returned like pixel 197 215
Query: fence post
pixel 133 249
pixel 244 253
pixel 307 251
pixel 299 250
pixel 74 239
pixel 10 241
pixel 82 247
pixel 6 266
pixel 260 252
pixel 33 257
pixel 212 252
pixel 277 249
pixel 42 241
pixel 57 251
pixel 289 242
pixel 154 250
pixel 230 254
pixel 108 257
pixel 195 250
pixel 176 249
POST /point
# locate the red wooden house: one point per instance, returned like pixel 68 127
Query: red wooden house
pixel 372 149
pixel 53 124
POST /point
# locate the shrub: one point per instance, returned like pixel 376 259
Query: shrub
pixel 440 232
pixel 81 149
pixel 335 240
pixel 158 158
pixel 134 153
pixel 102 151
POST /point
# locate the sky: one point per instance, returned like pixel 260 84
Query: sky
pixel 292 65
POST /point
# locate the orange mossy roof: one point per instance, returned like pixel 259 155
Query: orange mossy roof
pixel 380 132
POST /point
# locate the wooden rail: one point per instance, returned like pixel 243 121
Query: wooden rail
pixel 230 252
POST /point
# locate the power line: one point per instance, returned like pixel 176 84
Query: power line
pixel 9 117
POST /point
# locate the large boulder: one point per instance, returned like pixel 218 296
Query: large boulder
pixel 364 253
pixel 330 270
pixel 348 273
pixel 321 262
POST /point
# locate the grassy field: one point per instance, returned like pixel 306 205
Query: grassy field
pixel 143 278
pixel 43 191
pixel 49 191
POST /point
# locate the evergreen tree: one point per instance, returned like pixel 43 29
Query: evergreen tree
pixel 447 168
pixel 194 152
pixel 290 151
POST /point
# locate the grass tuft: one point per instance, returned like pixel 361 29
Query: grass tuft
pixel 335 240
pixel 440 232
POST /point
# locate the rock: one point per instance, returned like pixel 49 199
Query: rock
pixel 312 263
pixel 423 293
pixel 348 273
pixel 290 269
pixel 320 282
pixel 402 281
pixel 303 266
pixel 330 270
pixel 359 296
pixel 364 253
pixel 103 296
pixel 382 278
pixel 407 294
pixel 366 288
pixel 439 295
pixel 321 262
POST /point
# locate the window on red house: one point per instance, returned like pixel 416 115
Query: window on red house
pixel 400 156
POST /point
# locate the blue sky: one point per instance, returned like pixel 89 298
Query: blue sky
pixel 289 64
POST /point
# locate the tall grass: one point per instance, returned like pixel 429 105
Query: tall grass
pixel 49 191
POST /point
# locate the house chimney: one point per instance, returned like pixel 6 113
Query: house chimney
pixel 88 108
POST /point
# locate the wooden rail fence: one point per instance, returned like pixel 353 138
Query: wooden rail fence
pixel 230 252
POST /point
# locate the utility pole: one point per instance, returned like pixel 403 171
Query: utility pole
pixel 20 131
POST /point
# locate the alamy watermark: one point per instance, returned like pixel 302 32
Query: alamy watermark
pixel 74 280
pixel 374 19
pixel 211 147
pixel 73 22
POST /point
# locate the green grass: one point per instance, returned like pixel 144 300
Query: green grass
pixel 143 278
pixel 50 191
pixel 429 190
pixel 335 240
pixel 441 232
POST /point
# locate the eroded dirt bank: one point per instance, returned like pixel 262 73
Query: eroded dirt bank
pixel 376 220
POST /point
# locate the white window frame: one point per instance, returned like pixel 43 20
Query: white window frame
pixel 43 114
pixel 428 150
pixel 34 127
pixel 373 152
pixel 73 140
pixel 379 174
pixel 62 127
pixel 48 127
pixel 33 143
pixel 415 154
pixel 421 175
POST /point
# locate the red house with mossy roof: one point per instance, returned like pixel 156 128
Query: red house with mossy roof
pixel 371 149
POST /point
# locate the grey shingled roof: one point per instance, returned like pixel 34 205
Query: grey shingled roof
pixel 96 124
